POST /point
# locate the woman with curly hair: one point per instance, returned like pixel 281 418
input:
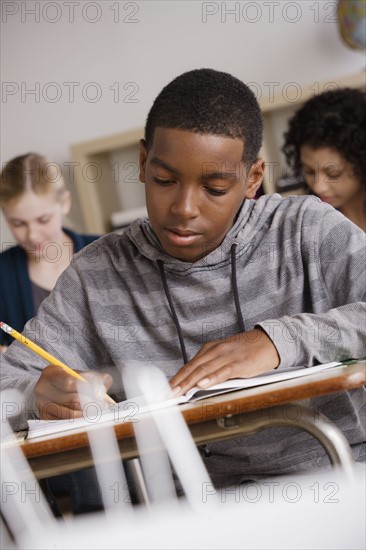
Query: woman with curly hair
pixel 326 145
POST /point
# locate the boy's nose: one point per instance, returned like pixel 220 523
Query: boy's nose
pixel 186 203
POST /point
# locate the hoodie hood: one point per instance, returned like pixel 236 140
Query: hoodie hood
pixel 251 222
pixel 142 235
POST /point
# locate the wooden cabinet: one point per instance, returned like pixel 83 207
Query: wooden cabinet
pixel 107 169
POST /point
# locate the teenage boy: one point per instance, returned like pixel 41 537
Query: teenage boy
pixel 218 282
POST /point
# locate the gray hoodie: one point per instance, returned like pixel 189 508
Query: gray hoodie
pixel 294 266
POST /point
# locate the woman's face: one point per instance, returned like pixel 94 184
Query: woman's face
pixel 36 220
pixel 330 177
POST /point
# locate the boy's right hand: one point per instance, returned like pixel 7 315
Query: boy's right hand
pixel 57 394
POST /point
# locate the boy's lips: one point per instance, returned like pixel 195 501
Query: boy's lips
pixel 181 237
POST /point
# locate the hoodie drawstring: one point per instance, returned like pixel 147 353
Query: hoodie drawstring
pixel 173 312
pixel 234 283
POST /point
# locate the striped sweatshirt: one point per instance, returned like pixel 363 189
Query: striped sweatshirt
pixel 294 266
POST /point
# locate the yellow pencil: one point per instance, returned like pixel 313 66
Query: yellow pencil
pixel 44 354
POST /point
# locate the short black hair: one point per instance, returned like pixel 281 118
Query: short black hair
pixel 334 119
pixel 206 101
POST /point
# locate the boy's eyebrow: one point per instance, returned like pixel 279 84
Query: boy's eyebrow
pixel 159 162
pixel 205 176
pixel 219 176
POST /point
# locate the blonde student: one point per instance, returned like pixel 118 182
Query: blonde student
pixel 213 285
pixel 34 202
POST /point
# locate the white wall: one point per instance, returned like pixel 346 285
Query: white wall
pixel 138 47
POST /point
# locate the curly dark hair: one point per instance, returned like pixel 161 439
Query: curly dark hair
pixel 206 101
pixel 334 119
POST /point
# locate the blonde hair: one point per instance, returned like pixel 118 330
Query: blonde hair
pixel 30 172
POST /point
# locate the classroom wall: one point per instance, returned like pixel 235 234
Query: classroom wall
pixel 74 71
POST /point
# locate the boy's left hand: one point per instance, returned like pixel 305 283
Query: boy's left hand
pixel 243 355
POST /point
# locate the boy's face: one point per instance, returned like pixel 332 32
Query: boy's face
pixel 195 185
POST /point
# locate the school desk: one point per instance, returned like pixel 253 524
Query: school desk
pixel 221 417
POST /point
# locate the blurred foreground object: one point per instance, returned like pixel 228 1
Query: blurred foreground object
pixel 311 511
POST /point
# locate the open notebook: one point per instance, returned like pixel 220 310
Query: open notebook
pixel 129 410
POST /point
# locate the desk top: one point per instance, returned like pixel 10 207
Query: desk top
pixel 337 379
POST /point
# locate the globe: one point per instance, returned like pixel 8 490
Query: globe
pixel 352 23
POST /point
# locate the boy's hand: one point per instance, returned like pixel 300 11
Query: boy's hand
pixel 57 395
pixel 3 349
pixel 241 356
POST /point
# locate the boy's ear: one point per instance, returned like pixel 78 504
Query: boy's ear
pixel 66 202
pixel 143 157
pixel 255 178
